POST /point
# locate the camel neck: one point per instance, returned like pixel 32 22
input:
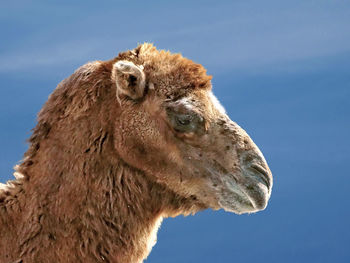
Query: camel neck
pixel 113 215
pixel 95 206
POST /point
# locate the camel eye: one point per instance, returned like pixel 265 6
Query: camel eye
pixel 185 122
pixel 183 119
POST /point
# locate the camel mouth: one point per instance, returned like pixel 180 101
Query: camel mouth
pixel 249 194
pixel 257 185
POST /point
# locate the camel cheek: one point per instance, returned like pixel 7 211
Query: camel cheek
pixel 138 140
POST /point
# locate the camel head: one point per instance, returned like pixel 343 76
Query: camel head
pixel 172 127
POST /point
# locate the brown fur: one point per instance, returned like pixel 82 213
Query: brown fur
pixel 99 173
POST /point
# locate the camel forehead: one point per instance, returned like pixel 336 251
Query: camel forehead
pixel 171 74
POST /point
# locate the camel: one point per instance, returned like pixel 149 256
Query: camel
pixel 118 146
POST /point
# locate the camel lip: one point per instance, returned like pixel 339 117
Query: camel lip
pixel 261 175
pixel 240 204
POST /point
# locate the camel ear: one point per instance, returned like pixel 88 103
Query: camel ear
pixel 129 78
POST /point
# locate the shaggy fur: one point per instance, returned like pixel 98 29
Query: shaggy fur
pixel 100 174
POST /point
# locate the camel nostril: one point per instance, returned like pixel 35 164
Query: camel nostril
pixel 260 169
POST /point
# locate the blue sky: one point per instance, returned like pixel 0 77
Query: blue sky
pixel 281 69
